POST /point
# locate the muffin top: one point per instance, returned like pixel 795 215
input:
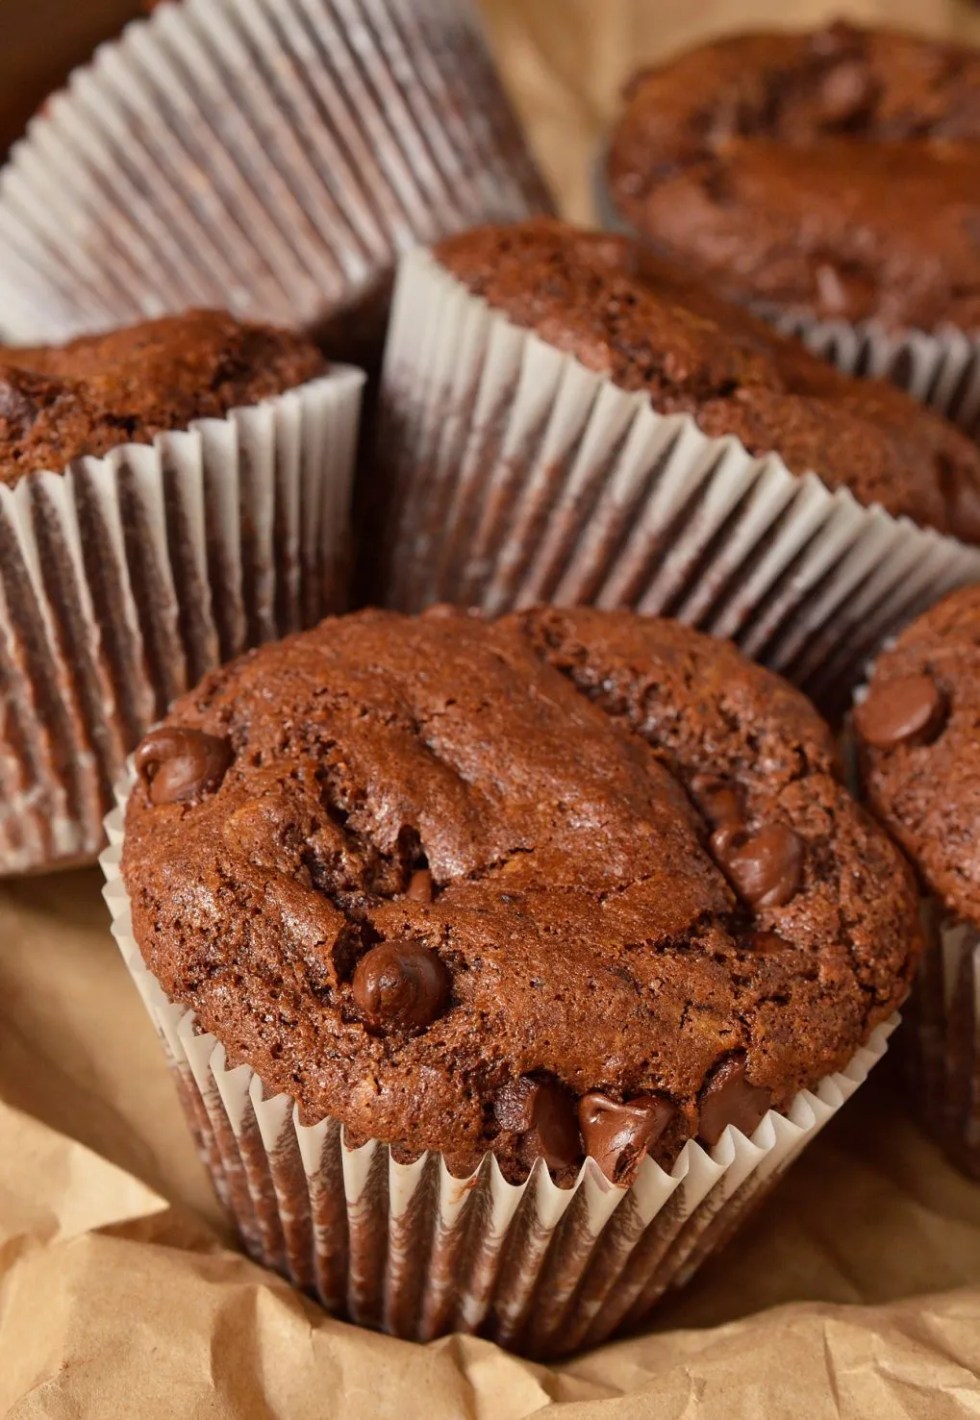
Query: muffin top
pixel 563 883
pixel 920 750
pixel 649 326
pixel 830 172
pixel 61 402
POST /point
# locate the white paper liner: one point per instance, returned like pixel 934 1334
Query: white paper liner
pixel 514 475
pixel 268 156
pixel 939 368
pixel 124 579
pixel 414 1251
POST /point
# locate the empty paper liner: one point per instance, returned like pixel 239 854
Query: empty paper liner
pixel 271 157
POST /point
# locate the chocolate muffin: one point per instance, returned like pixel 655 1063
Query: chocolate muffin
pixel 829 172
pixel 60 403
pixel 649 326
pixel 170 494
pixel 920 758
pixel 568 419
pixel 565 884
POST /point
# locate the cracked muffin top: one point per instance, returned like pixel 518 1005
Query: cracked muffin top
pixel 649 326
pixel 59 403
pixel 831 172
pixel 565 883
pixel 920 754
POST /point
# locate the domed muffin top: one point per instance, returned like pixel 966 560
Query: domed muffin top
pixel 61 402
pixel 832 171
pixel 917 730
pixel 565 883
pixel 647 325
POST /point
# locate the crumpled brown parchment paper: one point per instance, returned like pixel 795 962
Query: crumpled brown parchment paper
pixel 854 1293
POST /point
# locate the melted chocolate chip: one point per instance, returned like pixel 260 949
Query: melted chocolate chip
pixel 420 886
pixel 543 1112
pixel 766 867
pixel 896 712
pixel 400 986
pixel 729 1098
pixel 618 1135
pixel 178 764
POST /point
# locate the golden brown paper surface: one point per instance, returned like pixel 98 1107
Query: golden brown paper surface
pixel 854 1293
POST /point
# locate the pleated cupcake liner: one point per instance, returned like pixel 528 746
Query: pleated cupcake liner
pixel 267 156
pixel 124 579
pixel 410 1249
pixel 513 475
pixel 939 368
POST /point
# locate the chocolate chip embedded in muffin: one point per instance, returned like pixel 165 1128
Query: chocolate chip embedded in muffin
pixel 400 986
pixel 177 764
pixel 618 1134
pixel 59 403
pixel 898 711
pixel 832 172
pixel 919 750
pixel 456 887
pixel 766 867
pixel 650 327
pixel 540 1113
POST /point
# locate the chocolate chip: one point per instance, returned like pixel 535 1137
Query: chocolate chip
pixel 909 709
pixel 617 1135
pixel 400 986
pixel 766 867
pixel 420 886
pixel 543 1112
pixel 178 763
pixel 729 1098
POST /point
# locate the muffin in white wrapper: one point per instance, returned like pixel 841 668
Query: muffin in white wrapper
pixel 268 156
pixel 515 475
pixel 124 579
pixel 414 1251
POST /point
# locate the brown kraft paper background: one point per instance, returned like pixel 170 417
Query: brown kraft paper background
pixel 855 1292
